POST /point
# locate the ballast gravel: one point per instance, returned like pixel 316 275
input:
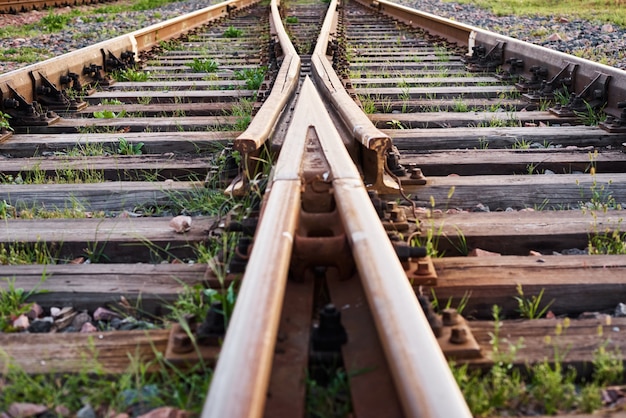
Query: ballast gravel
pixel 597 41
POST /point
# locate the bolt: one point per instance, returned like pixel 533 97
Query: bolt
pixel 397 215
pixel 391 206
pixel 423 268
pixel 450 316
pixel 459 335
pixel 181 343
pixel 416 174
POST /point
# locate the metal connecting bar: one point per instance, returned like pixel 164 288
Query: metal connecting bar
pixel 527 55
pixel 286 82
pixel 58 68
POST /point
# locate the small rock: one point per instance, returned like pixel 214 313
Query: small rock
pixel 548 172
pixel 35 311
pixel 88 327
pixel 55 312
pixel 480 208
pixel 181 223
pixel 39 326
pixel 24 409
pixel 80 319
pixel 78 260
pixel 563 20
pixel 21 322
pixel 62 411
pixel 608 28
pixel 166 412
pixel 477 252
pixel 620 310
pixel 104 314
pixel 555 37
pixel 86 412
pixel 535 253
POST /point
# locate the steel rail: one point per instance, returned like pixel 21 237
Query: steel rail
pixel 23 79
pixel 239 384
pixel 423 379
pixel 532 55
pixel 261 127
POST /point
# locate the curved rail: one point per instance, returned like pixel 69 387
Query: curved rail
pixel 510 49
pixel 286 82
pixel 25 81
pixel 357 122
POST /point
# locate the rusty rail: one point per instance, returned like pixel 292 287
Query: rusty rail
pixel 373 140
pixel 526 56
pixel 25 81
pixel 286 82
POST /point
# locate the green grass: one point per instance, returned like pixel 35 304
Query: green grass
pixel 131 74
pixel 4 122
pixel 232 32
pixel 253 76
pixel 546 388
pixel 203 65
pixel 151 383
pixel 14 302
pixel 595 10
pixel 531 307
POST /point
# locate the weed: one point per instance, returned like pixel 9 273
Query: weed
pixel 13 301
pixel 530 307
pixel 125 147
pixel 107 114
pixel 243 113
pixel 254 77
pixel 521 144
pixel 54 22
pixel 591 116
pixel 203 65
pixel 395 124
pixel 483 143
pixel 109 102
pixel 460 307
pixel 331 400
pixel 130 74
pixel 4 122
pixel 18 253
pixel 290 20
pixel 232 32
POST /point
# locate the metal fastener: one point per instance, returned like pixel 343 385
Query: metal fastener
pixel 458 335
pixel 450 316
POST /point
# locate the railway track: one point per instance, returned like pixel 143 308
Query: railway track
pixel 455 153
pixel 18 6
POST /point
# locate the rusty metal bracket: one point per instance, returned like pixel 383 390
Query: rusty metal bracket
pixel 21 111
pixel 515 65
pixel 614 124
pixel 94 71
pixel 483 60
pixel 563 82
pixel 539 75
pixel 592 98
pixel 50 96
pixel 417 265
pixel 113 63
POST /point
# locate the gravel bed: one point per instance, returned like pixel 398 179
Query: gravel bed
pixel 596 41
pixel 81 33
